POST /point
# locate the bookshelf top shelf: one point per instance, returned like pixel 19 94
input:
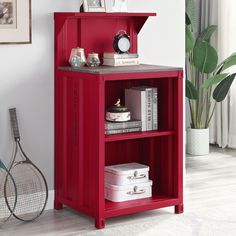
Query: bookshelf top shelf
pixel 94 32
pixel 143 68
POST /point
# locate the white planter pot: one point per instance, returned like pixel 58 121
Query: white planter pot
pixel 198 141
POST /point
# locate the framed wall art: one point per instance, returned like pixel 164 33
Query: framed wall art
pixel 15 21
pixel 94 6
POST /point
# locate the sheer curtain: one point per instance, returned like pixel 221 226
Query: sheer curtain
pixel 223 14
pixel 223 125
pixel 231 15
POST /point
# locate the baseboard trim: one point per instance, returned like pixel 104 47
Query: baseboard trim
pixel 50 203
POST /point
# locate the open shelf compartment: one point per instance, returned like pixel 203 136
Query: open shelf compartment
pixel 116 89
pixel 155 152
pixel 122 208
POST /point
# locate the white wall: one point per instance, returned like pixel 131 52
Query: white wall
pixel 26 71
pixel 162 39
pixel 26 82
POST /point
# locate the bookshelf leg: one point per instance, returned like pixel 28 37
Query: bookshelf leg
pixel 58 205
pixel 179 209
pixel 99 223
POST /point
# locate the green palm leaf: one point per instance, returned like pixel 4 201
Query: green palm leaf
pixel 208 32
pixel 222 88
pixel 213 80
pixel 191 13
pixel 228 62
pixel 205 57
pixel 191 91
pixel 190 39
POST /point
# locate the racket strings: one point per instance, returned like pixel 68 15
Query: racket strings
pixel 19 151
pixel 7 196
pixel 4 211
pixel 31 191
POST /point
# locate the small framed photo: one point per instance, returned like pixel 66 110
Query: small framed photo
pixel 94 6
pixel 15 21
pixel 120 6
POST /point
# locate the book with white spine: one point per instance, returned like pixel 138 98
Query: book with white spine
pixel 135 100
pixel 149 105
pixel 155 109
pixel 123 125
pixel 120 62
pixel 122 131
pixel 113 55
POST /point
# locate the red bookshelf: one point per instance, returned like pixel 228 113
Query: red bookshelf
pixel 81 97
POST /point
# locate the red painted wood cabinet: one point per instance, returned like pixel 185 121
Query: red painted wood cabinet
pixel 81 97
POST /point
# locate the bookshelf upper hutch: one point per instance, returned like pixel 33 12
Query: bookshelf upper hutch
pixel 81 98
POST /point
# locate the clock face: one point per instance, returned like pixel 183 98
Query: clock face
pixel 124 44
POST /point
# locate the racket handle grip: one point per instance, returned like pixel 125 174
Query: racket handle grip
pixel 14 124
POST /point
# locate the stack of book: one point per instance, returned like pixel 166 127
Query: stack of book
pixel 123 127
pixel 115 59
pixel 143 102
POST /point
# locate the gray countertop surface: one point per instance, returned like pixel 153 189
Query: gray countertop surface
pixel 120 70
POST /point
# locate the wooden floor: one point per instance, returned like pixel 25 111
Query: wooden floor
pixel 210 208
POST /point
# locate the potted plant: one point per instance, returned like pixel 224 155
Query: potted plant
pixel 207 82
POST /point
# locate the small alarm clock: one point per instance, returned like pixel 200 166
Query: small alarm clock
pixel 121 42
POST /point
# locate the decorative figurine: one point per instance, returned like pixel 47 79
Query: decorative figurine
pixel 118 113
pixel 77 57
pixel 93 60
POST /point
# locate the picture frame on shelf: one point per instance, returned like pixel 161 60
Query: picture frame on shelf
pixel 15 22
pixel 117 5
pixel 94 6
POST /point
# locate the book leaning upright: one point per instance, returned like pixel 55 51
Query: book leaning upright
pixel 155 109
pixel 135 100
pixel 152 106
pixel 149 105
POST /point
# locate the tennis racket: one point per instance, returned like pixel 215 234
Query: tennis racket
pixel 8 194
pixel 32 189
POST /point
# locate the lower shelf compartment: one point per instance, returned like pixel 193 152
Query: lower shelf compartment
pixel 124 208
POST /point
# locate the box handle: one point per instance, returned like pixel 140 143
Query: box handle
pixel 135 192
pixel 135 176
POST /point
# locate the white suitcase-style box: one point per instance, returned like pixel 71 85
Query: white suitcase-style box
pixel 125 174
pixel 116 193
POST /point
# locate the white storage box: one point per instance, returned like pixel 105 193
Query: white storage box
pixel 130 173
pixel 116 193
